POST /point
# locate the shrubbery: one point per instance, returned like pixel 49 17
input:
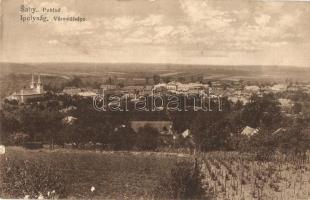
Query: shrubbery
pixel 147 138
pixel 122 139
pixel 184 182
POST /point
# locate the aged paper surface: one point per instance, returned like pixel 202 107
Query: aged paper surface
pixel 155 99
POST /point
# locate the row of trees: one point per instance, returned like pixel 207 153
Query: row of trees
pixel 48 125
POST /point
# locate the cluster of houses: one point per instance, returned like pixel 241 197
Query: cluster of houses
pixel 233 90
pixel 180 88
pixel 243 95
pixel 83 92
pixel 140 90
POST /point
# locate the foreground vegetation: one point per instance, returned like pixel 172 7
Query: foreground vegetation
pixel 72 174
pixel 150 175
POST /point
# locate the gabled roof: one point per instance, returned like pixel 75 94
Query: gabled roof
pixel 248 131
pixel 186 133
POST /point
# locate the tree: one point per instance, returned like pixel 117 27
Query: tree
pixel 147 138
pixel 109 81
pixel 122 138
pixel 200 79
pixel 13 102
pixel 238 105
pixel 192 78
pixel 121 85
pixel 147 80
pixel 76 82
pixel 297 108
pixel 210 83
pixel 263 145
pixel 181 120
pixel 296 139
pixel 41 123
pixel 9 125
pixel 53 127
pixel 262 111
pixel 166 79
pixel 211 131
pixel 181 79
pixel 156 79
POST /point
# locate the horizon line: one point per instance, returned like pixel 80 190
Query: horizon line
pixel 159 63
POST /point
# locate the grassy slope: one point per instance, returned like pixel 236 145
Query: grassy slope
pixel 114 175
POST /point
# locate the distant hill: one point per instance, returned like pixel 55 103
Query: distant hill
pixel 142 70
pixel 14 76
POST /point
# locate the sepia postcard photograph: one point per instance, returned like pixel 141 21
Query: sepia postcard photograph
pixel 155 99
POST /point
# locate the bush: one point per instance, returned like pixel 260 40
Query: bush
pixel 147 138
pixel 263 145
pixel 184 182
pixel 32 179
pixel 122 139
pixel 33 145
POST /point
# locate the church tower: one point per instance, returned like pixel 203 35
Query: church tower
pixel 32 82
pixel 39 85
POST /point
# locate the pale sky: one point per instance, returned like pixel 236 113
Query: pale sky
pixel 224 32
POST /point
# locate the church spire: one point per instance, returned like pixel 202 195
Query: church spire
pixel 32 81
pixel 39 80
pixel 39 85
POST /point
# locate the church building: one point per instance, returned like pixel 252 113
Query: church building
pixel 34 91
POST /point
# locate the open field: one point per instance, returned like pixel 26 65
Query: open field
pixel 142 70
pixel 116 175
